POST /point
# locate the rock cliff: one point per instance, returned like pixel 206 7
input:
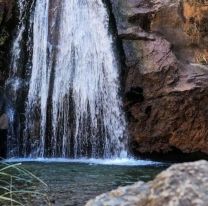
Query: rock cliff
pixel 166 86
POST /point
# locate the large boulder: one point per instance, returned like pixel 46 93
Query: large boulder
pixel 166 48
pixel 180 185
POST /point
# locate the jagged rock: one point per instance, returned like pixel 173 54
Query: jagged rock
pixel 180 185
pixel 165 45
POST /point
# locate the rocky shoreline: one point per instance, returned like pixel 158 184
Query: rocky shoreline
pixel 180 185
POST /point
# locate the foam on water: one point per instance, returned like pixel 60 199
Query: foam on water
pixel 116 161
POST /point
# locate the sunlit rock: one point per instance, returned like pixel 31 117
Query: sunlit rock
pixel 181 185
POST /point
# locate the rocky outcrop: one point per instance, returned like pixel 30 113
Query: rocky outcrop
pixel 180 185
pixel 165 45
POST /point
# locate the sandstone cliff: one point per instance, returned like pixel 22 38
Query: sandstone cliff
pixel 166 87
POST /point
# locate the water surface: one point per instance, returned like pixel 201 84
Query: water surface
pixel 72 183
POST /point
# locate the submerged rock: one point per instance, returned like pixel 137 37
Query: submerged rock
pixel 165 45
pixel 180 185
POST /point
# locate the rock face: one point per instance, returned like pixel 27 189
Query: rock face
pixel 166 49
pixel 180 185
pixel 6 27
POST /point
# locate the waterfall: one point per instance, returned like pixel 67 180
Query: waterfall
pixel 16 84
pixel 13 85
pixel 73 107
pixel 40 76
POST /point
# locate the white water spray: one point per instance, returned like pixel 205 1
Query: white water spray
pixel 73 106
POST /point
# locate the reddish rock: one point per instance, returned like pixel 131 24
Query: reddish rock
pixel 166 47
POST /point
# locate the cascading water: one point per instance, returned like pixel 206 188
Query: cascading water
pixel 13 84
pixel 40 80
pixel 73 107
pixel 16 84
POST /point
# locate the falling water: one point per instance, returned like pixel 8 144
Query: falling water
pixel 13 85
pixel 16 49
pixel 73 106
pixel 16 84
pixel 13 82
pixel 39 83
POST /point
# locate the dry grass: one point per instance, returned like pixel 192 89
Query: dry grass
pixel 19 186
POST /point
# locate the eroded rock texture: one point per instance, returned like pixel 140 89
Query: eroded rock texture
pixel 166 49
pixel 180 185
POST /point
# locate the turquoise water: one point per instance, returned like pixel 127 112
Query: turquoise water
pixel 73 183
